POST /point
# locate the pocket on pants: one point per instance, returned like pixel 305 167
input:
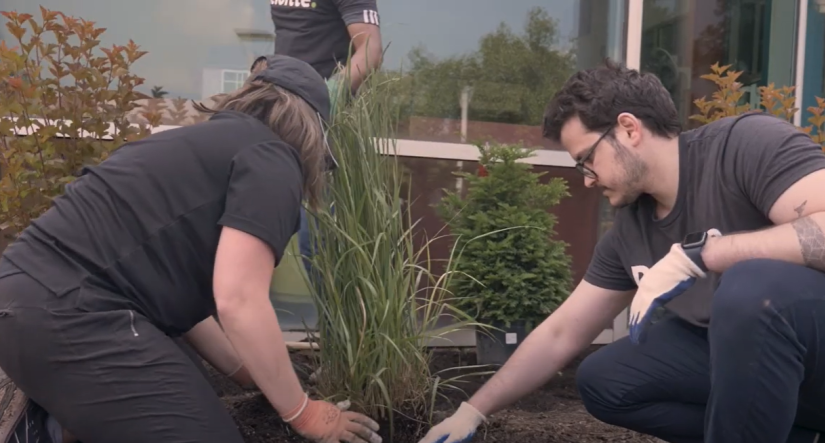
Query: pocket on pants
pixel 8 269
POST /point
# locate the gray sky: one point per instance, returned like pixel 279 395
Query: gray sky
pixel 185 36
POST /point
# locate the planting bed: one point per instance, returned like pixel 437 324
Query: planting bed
pixel 552 414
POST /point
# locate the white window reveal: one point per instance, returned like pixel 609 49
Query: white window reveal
pixel 232 79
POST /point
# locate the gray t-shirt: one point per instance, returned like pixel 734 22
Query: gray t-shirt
pixel 731 172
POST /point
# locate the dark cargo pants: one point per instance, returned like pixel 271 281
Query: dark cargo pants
pixel 756 375
pixel 108 376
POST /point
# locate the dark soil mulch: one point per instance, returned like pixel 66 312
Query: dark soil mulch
pixel 553 414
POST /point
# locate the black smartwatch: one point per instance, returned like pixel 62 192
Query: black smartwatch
pixel 693 244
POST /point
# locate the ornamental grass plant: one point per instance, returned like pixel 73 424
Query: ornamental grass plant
pixel 375 287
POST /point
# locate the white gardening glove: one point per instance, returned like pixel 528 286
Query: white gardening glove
pixel 667 279
pixel 459 428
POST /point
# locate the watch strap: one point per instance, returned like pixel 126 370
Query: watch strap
pixel 695 255
pixel 694 250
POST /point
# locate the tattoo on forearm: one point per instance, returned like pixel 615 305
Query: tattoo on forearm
pixel 800 210
pixel 811 242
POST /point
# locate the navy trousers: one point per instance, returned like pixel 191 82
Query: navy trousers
pixel 756 375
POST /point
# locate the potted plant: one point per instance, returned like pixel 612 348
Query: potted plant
pixel 511 272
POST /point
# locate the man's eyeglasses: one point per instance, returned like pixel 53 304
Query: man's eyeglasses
pixel 584 170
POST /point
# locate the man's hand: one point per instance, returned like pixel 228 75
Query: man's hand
pixel 667 279
pixel 459 428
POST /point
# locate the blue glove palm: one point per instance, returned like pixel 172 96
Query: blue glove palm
pixel 668 278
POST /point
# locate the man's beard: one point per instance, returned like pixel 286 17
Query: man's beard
pixel 634 172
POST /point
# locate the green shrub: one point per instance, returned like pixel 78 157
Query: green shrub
pixel 70 101
pixel 510 268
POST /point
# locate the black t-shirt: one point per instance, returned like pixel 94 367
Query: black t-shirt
pixel 315 31
pixel 140 230
pixel 731 172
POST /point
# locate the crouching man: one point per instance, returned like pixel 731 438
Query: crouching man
pixel 723 227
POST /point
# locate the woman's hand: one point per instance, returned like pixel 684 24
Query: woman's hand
pixel 324 422
pixel 243 273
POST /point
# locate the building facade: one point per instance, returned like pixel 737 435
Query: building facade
pixel 483 70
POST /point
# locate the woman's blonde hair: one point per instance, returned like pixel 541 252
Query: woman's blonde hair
pixel 291 118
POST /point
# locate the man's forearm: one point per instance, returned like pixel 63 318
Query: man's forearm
pixel 540 356
pixel 366 58
pixel 801 241
pixel 358 69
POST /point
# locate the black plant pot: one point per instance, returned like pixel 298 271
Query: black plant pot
pixel 494 346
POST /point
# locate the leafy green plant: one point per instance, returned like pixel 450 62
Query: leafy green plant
pixel 510 269
pixel 374 286
pixel 727 102
pixel 62 106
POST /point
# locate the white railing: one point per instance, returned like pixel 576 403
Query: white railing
pixel 455 151
pixel 403 148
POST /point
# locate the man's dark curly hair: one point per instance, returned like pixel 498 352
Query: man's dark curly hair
pixel 598 95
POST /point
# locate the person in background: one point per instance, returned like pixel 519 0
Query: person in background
pixel 149 245
pixel 324 33
pixel 339 39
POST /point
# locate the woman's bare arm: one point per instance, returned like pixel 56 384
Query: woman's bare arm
pixel 210 341
pixel 243 274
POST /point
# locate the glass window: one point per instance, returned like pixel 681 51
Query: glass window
pixel 682 38
pixel 188 42
pixel 814 77
pixel 231 80
pixel 497 62
pixel 489 75
pixel 472 71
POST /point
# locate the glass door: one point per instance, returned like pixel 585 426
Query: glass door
pixel 681 39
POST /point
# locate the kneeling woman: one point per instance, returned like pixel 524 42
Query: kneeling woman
pixel 166 232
